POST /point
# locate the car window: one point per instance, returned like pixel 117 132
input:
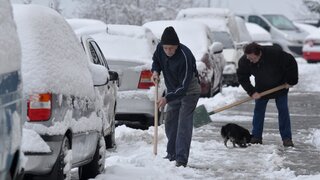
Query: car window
pixel 94 55
pixel 99 54
pixel 280 22
pixel 224 38
pixel 258 20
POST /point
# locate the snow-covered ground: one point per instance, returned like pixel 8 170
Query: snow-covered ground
pixel 134 159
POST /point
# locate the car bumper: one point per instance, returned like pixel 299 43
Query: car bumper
pixel 139 104
pixel 311 56
pixel 42 163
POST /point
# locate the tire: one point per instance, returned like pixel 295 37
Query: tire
pixel 62 167
pixel 96 166
pixel 110 139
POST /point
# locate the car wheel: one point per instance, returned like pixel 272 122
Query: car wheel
pixel 110 139
pixel 62 167
pixel 96 166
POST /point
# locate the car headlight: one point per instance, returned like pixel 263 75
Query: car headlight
pixel 229 69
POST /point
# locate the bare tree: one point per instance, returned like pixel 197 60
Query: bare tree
pixel 131 12
pixel 313 5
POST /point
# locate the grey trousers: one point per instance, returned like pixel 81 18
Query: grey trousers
pixel 179 126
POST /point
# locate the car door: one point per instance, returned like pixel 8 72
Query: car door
pixel 108 91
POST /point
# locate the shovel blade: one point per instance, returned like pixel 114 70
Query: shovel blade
pixel 200 116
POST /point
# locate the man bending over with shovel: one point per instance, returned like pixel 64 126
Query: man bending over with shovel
pixel 270 67
pixel 178 66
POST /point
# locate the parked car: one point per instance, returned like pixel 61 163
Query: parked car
pixel 129 50
pixel 224 28
pixel 11 109
pixel 65 109
pixel 108 91
pixel 284 33
pixel 83 28
pixel 259 35
pixel 209 59
pixel 311 48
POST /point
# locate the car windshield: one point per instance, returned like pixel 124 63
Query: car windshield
pixel 224 38
pixel 281 22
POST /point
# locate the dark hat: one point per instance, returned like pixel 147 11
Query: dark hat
pixel 170 37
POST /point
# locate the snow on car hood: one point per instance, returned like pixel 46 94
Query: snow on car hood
pixel 52 57
pixel 10 58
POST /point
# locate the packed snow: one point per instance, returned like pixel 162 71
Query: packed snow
pixel 134 159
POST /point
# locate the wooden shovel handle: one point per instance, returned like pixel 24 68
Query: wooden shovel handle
pixel 155 136
pixel 248 99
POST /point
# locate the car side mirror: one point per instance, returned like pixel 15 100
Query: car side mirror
pixel 99 73
pixel 114 76
pixel 216 48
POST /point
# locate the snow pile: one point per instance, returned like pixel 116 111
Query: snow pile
pixel 52 57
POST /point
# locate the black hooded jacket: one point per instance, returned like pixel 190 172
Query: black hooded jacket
pixel 177 70
pixel 274 68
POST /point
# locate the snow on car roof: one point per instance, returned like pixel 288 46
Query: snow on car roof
pixel 127 30
pixel 9 57
pixel 77 23
pixel 83 27
pixel 201 12
pixel 192 34
pixel 127 43
pixel 52 57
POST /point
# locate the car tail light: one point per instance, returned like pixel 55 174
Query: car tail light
pixel 145 80
pixel 39 107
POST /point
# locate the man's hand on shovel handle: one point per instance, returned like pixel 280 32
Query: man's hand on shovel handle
pixel 155 77
pixel 161 102
pixel 256 95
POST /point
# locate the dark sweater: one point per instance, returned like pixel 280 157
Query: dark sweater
pixel 274 68
pixel 178 71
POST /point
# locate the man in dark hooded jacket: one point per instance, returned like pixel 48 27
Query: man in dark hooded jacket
pixel 270 67
pixel 178 66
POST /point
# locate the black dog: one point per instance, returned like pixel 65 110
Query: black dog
pixel 237 135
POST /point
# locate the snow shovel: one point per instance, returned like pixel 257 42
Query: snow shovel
pixel 155 136
pixel 201 115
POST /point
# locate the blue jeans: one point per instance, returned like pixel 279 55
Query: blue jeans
pixel 283 117
pixel 179 126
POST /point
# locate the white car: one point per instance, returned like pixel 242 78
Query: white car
pixel 64 126
pixel 284 33
pixel 129 50
pixel 209 59
pixel 225 29
pixel 11 109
